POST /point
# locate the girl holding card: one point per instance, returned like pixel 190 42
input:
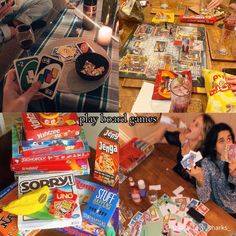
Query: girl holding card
pixel 190 138
pixel 216 179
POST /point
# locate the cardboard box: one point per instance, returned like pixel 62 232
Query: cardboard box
pixel 48 126
pixel 107 157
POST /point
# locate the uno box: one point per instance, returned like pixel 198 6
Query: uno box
pixel 47 126
pixel 107 157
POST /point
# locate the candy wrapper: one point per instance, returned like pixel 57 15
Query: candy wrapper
pixel 220 96
pixel 131 10
pixel 163 16
pixel 163 80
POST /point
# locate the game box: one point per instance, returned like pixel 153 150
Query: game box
pixel 133 153
pixel 47 126
pixel 107 157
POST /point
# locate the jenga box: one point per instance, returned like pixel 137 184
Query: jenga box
pixel 107 157
pixel 47 126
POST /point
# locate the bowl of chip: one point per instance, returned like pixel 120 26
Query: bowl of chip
pixel 91 66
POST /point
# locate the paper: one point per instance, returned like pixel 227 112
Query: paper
pixel 144 102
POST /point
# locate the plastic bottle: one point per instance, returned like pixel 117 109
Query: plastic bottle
pixel 142 188
pixel 135 195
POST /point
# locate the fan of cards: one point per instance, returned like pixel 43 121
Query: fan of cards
pixel 47 69
pixel 173 215
pixel 230 153
pixel 191 159
pixel 69 52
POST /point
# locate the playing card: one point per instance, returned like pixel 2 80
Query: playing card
pixel 164 210
pixel 135 218
pixel 193 203
pixel 203 226
pixel 48 73
pixel 172 222
pixel 178 190
pixel 146 217
pixel 67 53
pixel 84 47
pixel 191 159
pixel 55 52
pixel 153 213
pixel 201 233
pixel 230 153
pixel 26 71
pixel 202 209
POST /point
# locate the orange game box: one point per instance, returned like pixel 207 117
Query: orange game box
pixel 107 157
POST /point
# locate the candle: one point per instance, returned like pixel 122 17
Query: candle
pixel 104 35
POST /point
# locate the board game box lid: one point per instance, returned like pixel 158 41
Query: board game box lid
pixel 46 126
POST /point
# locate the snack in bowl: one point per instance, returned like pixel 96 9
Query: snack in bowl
pixel 91 66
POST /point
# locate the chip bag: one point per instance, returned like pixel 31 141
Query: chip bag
pixel 220 96
pixel 163 16
pixel 163 80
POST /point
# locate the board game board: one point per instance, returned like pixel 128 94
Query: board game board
pixel 163 46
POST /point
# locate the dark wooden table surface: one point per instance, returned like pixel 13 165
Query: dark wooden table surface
pixel 157 169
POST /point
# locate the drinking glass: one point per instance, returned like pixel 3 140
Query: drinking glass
pixel 180 95
pixel 25 37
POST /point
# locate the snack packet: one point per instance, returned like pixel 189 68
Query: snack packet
pixel 163 16
pixel 220 96
pixel 163 80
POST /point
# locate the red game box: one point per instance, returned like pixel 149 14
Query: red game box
pixel 198 19
pixel 107 157
pixel 133 153
pixel 47 126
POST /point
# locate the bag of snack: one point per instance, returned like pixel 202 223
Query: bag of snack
pixel 220 96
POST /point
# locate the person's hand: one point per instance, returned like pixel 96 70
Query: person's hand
pixel 13 99
pixel 232 81
pixel 232 169
pixel 233 6
pixel 213 4
pixel 197 173
pixel 6 9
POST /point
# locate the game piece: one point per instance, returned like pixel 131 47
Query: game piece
pixel 178 190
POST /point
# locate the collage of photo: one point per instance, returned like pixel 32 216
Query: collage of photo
pixel 117 118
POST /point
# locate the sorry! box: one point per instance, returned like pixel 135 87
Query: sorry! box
pixel 47 126
pixel 107 156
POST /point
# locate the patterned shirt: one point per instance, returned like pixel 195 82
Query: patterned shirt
pixel 216 186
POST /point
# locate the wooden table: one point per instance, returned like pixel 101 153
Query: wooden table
pixel 7 176
pixel 157 169
pixel 129 88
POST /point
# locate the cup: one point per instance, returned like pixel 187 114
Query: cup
pixel 152 196
pixel 180 95
pixel 227 35
pixel 164 4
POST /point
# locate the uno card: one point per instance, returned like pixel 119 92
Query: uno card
pixel 84 47
pixel 203 226
pixel 48 73
pixel 55 52
pixel 137 217
pixel 202 209
pixel 26 71
pixel 193 203
pixel 67 52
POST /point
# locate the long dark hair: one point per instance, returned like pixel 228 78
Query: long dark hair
pixel 208 123
pixel 209 150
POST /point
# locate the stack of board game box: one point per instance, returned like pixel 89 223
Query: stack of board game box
pixel 49 142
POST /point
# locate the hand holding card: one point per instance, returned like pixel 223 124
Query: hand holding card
pixel 13 100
